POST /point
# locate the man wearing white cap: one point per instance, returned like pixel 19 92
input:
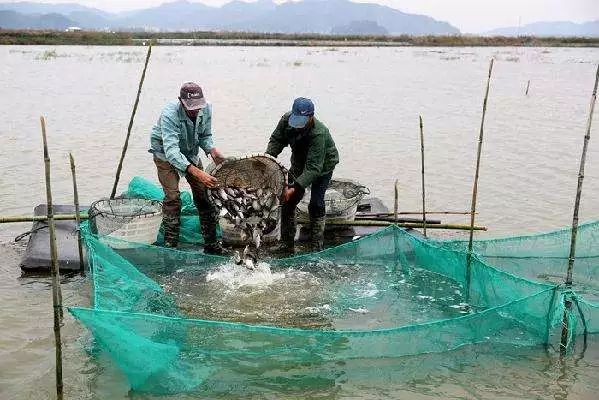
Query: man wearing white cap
pixel 185 127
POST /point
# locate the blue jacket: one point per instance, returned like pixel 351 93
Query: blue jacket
pixel 176 139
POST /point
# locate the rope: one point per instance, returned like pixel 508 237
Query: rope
pixel 575 298
pixel 24 235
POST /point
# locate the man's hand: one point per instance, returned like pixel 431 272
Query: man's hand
pixel 288 194
pixel 217 156
pixel 207 179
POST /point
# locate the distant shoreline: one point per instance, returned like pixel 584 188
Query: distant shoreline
pixel 38 37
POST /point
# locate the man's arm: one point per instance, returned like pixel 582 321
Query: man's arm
pixel 314 162
pixel 170 142
pixel 278 140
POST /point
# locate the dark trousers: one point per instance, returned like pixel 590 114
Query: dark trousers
pixel 316 207
pixel 171 205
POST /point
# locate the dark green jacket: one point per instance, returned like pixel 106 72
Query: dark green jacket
pixel 313 152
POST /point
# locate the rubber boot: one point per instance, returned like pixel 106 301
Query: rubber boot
pixel 208 226
pixel 317 226
pixel 171 227
pixel 288 231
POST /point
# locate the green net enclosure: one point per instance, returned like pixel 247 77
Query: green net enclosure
pixel 182 322
pixel 544 258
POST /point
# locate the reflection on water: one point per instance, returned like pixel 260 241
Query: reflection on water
pixel 370 99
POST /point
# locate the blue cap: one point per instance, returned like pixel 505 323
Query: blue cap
pixel 301 111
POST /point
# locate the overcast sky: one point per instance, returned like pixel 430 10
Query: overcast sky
pixel 467 15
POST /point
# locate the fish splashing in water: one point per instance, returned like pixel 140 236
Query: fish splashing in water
pixel 253 211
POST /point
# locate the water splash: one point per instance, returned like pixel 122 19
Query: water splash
pixel 236 276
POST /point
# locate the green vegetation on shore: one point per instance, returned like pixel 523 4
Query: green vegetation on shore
pixel 36 37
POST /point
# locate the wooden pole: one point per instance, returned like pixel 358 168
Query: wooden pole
pixel 571 258
pixel 28 218
pixel 77 214
pixel 124 151
pixel 527 87
pixel 422 158
pixel 399 219
pixel 83 216
pixel 413 213
pixel 415 225
pixel 56 295
pixel 396 201
pixel 475 186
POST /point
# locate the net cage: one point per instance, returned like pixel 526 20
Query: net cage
pixel 149 312
pixel 135 220
pixel 341 200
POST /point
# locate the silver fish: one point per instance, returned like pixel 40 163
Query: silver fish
pixel 259 193
pixel 222 194
pixel 256 205
pixel 237 258
pixel 249 264
pixel 256 238
pixel 230 191
pixel 262 201
pixel 248 258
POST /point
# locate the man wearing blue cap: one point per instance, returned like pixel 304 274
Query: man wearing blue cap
pixel 313 159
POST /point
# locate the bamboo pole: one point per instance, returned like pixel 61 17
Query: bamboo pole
pixel 571 258
pixel 126 145
pixel 414 213
pixel 475 186
pixel 56 295
pixel 527 87
pixel 77 214
pixel 366 222
pixel 28 218
pixel 83 216
pixel 422 158
pixel 396 200
pixel 399 219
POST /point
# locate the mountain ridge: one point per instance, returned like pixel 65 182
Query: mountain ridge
pixel 308 16
pixel 550 28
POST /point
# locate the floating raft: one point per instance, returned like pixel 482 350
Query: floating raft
pixel 37 253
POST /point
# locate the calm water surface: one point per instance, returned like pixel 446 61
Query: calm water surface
pixel 370 99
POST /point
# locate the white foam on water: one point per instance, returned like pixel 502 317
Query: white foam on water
pixel 360 310
pixel 369 290
pixel 235 276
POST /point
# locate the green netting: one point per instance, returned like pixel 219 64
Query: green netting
pixel 544 257
pixel 179 321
